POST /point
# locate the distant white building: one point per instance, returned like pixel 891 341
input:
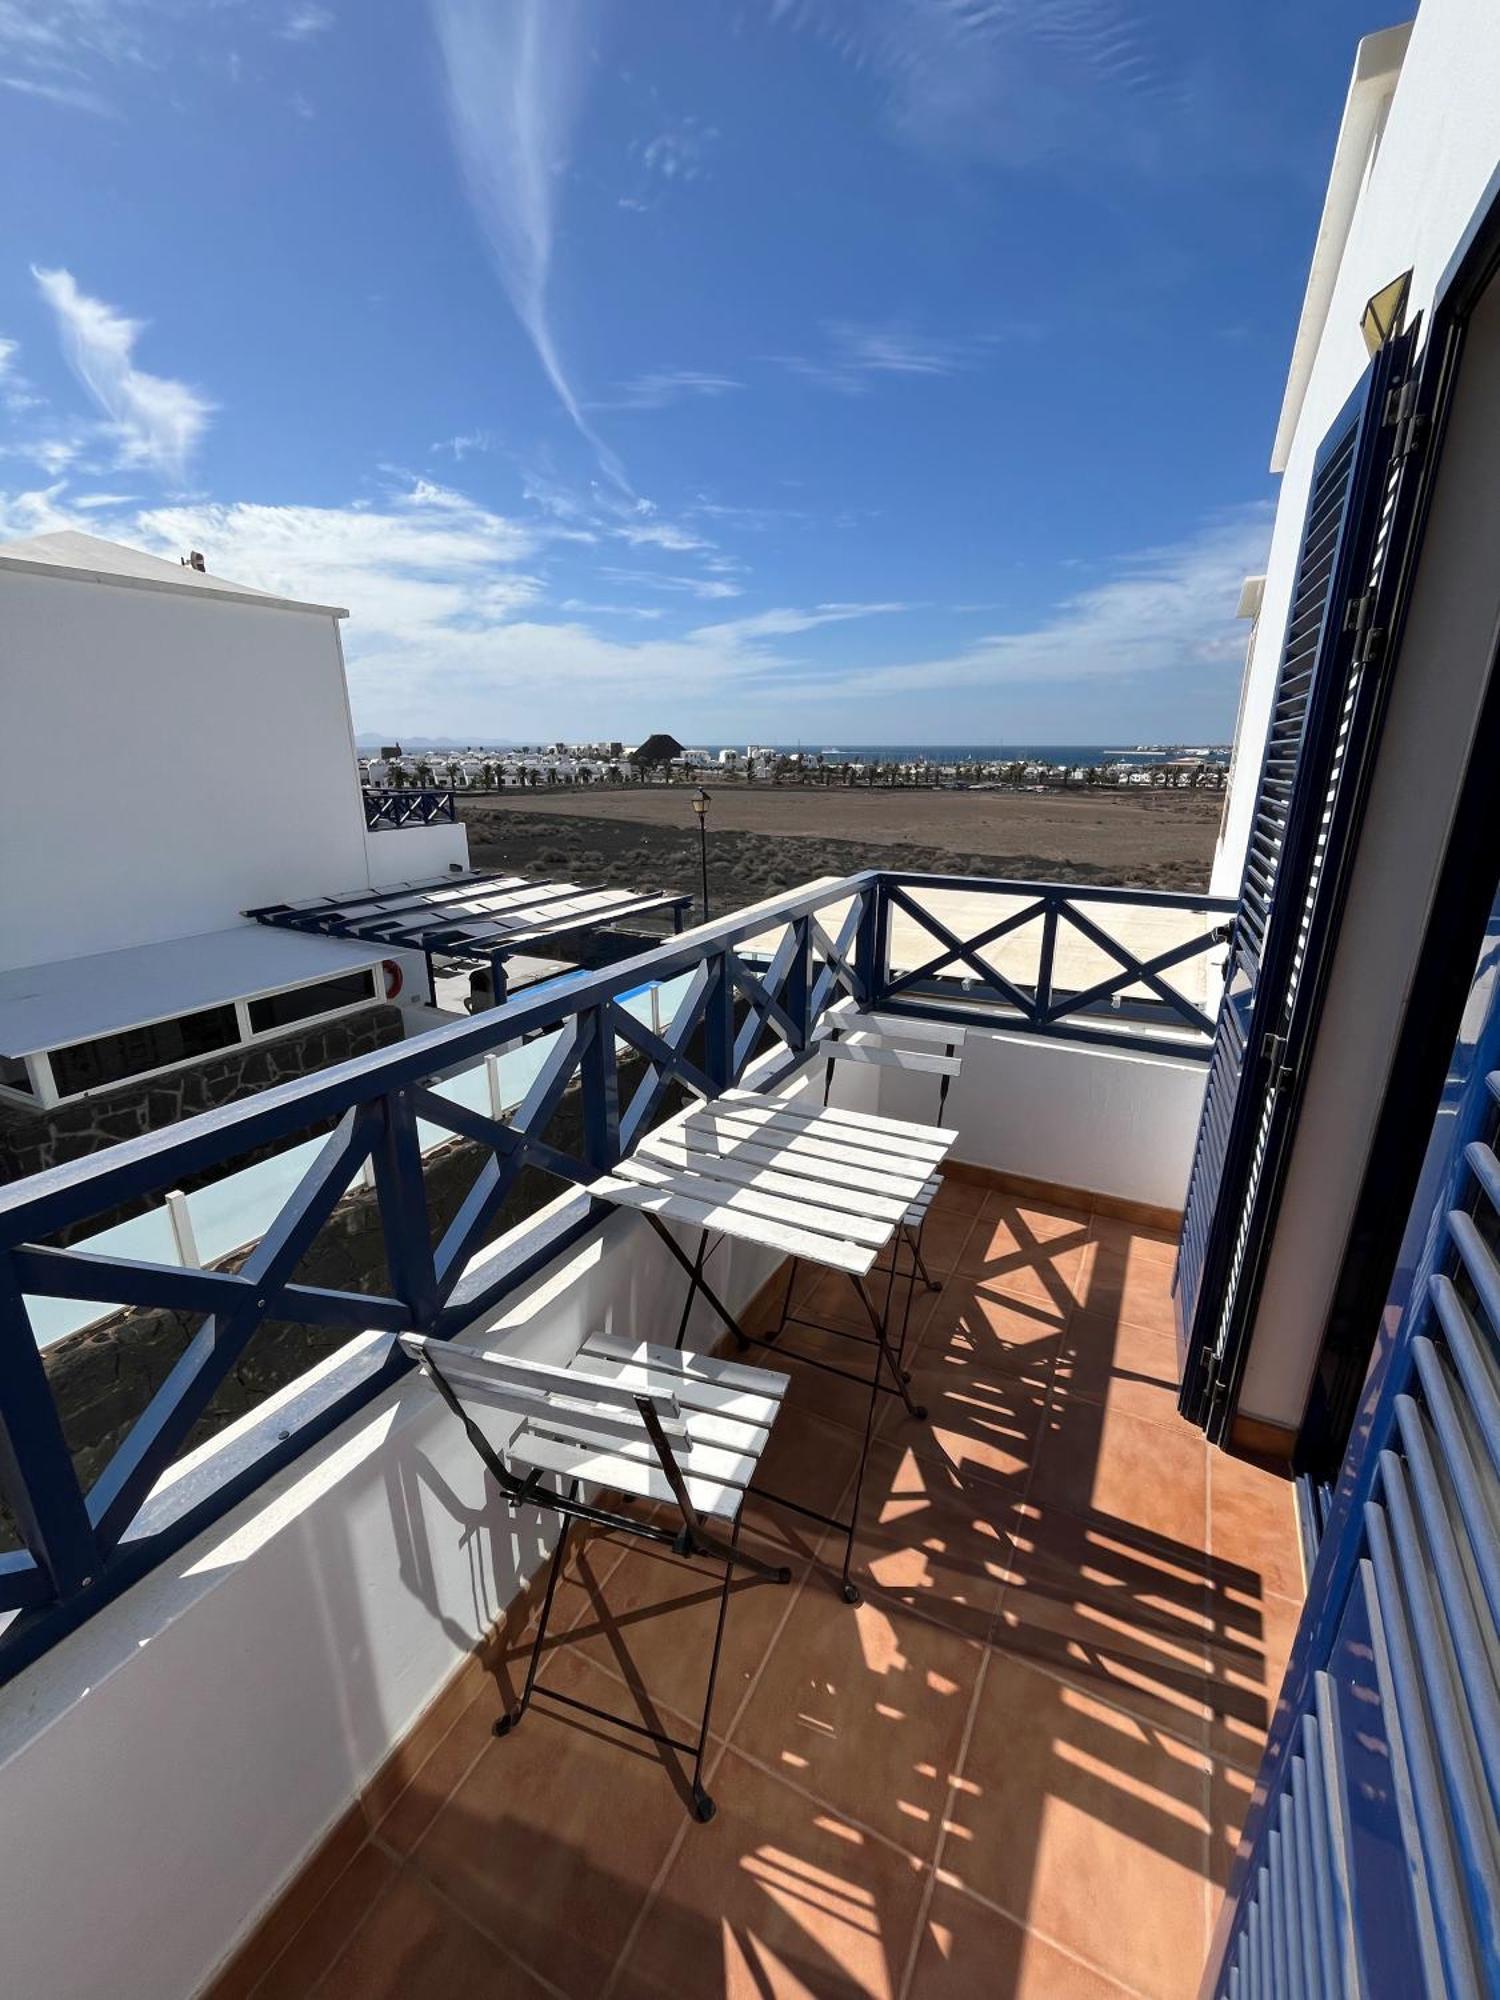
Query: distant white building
pixel 180 751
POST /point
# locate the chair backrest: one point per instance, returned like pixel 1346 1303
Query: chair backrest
pixel 894 1029
pixel 567 1402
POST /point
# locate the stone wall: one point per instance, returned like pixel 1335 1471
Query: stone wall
pixel 32 1140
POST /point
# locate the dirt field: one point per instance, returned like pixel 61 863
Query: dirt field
pixel 764 841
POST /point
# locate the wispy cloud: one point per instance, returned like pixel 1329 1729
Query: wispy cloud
pixel 1010 83
pixel 459 447
pixel 452 629
pixel 660 386
pixel 52 90
pixel 1164 609
pixel 58 50
pixel 786 624
pixel 304 23
pixel 514 77
pixel 16 393
pixel 853 355
pixel 156 421
pixel 706 587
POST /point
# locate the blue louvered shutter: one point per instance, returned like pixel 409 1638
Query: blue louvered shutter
pixel 1371 1862
pixel 1315 744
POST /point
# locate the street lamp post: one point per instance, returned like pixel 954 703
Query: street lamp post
pixel 700 807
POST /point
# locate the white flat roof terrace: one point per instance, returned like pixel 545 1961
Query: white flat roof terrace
pixel 107 992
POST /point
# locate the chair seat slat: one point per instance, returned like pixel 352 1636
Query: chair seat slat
pixel 624 1475
pixel 687 1372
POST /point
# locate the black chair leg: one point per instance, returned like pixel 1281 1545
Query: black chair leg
pixel 914 1237
pixel 512 1717
pixel 703 1806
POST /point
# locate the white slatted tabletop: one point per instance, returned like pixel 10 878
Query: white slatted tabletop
pixel 811 1181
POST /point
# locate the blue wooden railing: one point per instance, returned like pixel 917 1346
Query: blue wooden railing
pixel 757 985
pixel 385 810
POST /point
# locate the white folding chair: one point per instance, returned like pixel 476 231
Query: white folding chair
pixel 846 1034
pixel 651 1424
pixel 896 1041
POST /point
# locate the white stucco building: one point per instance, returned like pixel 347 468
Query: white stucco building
pixel 179 751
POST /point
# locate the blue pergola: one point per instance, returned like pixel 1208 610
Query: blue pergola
pixel 472 912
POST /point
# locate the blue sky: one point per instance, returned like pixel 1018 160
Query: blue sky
pixel 845 370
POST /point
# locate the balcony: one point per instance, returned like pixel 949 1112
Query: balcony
pixel 1018 1766
pixel 391 811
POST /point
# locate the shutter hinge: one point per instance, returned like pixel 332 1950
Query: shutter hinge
pixel 1408 422
pixel 1272 1051
pixel 1369 638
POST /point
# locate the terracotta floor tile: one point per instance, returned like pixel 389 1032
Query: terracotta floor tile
pixel 1253 1524
pixel 414 1811
pixel 414 1946
pixel 969 1950
pixel 1111 1614
pixel 943 1239
pixel 1138 1239
pixel 369 1876
pixel 927 1541
pixel 958 1196
pixel 1114 1469
pixel 808 1460
pixel 1230 1793
pixel 776 1899
pixel 1028 1250
pixel 1130 1278
pixel 983 1424
pixel 1076 1816
pixel 829 1298
pixel 1103 1360
pixel 807 1354
pixel 864 1706
pixel 555 1836
pixel 1018 1335
pixel 1250 1646
pixel 652 1626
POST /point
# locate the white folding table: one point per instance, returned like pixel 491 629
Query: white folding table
pixel 832 1187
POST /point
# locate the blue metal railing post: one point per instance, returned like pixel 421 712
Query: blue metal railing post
pixel 718 1023
pixel 1048 960
pixel 404 1220
pixel 36 1472
pixel 796 992
pixel 870 944
pixel 599 1082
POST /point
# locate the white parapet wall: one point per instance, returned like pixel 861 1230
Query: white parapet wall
pixel 1112 1121
pixel 169 1767
pixel 415 853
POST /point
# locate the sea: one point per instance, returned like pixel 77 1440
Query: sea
pixel 989 753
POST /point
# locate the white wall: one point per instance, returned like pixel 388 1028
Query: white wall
pixel 1446 655
pixel 1108 1120
pixel 176 761
pixel 415 853
pixel 1432 165
pixel 1433 154
pixel 167 1769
